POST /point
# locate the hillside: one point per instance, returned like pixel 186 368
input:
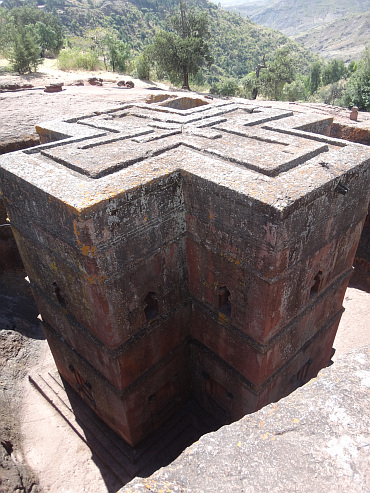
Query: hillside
pixel 345 38
pixel 237 44
pixel 294 17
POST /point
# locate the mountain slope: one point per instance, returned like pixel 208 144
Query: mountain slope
pixel 345 38
pixel 294 17
pixel 237 44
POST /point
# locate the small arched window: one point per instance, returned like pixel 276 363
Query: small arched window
pixel 224 304
pixel 59 295
pixel 151 306
pixel 317 281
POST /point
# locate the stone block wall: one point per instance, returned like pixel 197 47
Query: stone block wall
pixel 187 249
pixel 316 439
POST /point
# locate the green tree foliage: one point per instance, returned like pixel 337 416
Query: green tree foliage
pixel 228 87
pixel 295 91
pixel 357 92
pixel 332 93
pixel 314 77
pixel 334 71
pixel 98 44
pixel 24 53
pixel 237 44
pixel 143 64
pixel 352 67
pixel 250 85
pixel 4 19
pixel 95 41
pixel 49 39
pixel 118 53
pixel 27 32
pixel 280 71
pixel 183 50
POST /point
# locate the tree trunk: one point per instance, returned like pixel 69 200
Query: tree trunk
pixel 186 81
pixel 258 69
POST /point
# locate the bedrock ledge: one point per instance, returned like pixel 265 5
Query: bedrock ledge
pixel 316 439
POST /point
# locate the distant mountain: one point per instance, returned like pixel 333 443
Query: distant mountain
pixel 345 38
pixel 293 17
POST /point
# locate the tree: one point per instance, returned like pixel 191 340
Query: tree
pixel 143 65
pixel 280 71
pixel 314 77
pixel 183 50
pixel 118 53
pixel 25 33
pixel 24 53
pixel 295 91
pixel 250 86
pixel 4 20
pixel 334 71
pixel 49 39
pixel 228 87
pixel 105 44
pixel 357 92
pixel 257 76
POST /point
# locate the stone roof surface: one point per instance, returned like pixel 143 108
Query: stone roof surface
pixel 266 154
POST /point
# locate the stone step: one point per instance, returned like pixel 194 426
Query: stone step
pixel 89 432
pixel 124 461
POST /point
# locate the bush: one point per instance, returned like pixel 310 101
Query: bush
pixel 249 85
pixel 142 65
pixel 229 87
pixel 331 94
pixel 295 91
pixel 69 59
pixel 357 92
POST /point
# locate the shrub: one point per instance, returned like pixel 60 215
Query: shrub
pixel 295 91
pixel 249 85
pixel 143 65
pixel 357 91
pixel 72 59
pixel 330 94
pixel 228 87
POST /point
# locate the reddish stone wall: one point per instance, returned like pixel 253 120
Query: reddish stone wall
pixel 187 252
pixel 350 132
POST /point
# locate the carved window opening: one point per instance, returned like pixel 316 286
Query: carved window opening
pixel 317 284
pixel 59 295
pixel 151 306
pixel 224 303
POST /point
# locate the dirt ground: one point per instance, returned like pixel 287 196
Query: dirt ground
pixel 22 110
pixel 39 451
